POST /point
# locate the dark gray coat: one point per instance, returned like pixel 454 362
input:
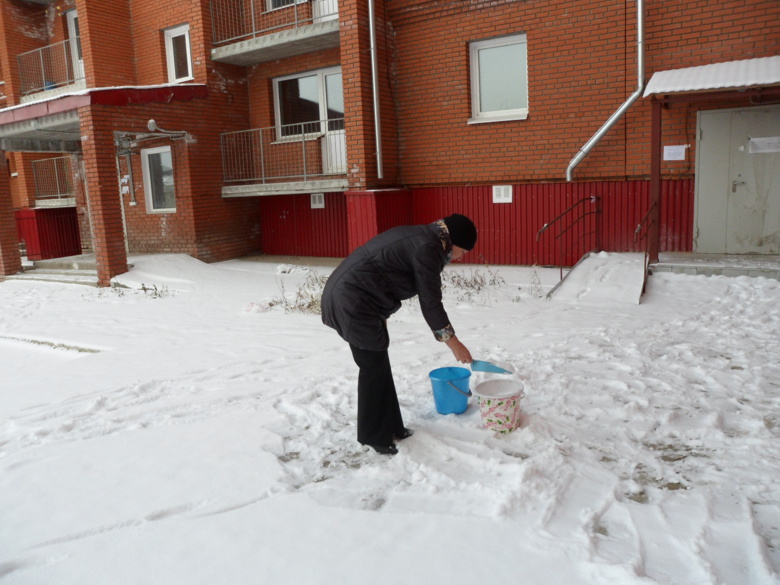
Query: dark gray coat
pixel 370 284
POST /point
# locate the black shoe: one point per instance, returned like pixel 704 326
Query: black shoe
pixel 404 434
pixel 385 449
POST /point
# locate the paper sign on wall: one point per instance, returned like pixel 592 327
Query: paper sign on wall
pixel 764 145
pixel 675 152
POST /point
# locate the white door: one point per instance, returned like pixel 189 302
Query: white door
pixel 334 141
pixel 738 181
pixel 75 44
pixel 325 10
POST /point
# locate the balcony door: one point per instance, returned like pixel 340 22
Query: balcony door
pixel 311 105
pixel 76 56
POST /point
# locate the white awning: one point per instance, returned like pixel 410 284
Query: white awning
pixel 743 74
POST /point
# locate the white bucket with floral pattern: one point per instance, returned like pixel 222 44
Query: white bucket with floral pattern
pixel 499 404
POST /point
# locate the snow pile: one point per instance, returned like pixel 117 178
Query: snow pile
pixel 188 429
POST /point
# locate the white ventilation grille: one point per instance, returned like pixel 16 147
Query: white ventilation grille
pixel 318 200
pixel 502 193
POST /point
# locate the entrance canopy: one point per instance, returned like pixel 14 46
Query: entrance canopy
pixel 52 125
pixel 731 75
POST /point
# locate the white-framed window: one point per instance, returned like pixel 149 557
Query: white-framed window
pixel 499 79
pixel 159 190
pixel 309 103
pixel 178 54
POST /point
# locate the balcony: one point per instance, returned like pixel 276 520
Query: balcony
pixel 283 160
pixel 54 182
pixel 247 32
pixel 52 69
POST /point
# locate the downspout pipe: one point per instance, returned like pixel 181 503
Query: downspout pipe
pixel 640 61
pixel 375 90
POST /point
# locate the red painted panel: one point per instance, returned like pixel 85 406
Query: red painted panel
pixel 508 231
pixel 361 217
pixel 49 233
pixel 291 227
pixel 393 208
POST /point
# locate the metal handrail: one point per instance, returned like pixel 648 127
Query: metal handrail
pixel 47 68
pixel 286 153
pixel 564 214
pixel 253 18
pixel 644 227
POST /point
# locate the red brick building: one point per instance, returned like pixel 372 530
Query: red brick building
pixel 220 128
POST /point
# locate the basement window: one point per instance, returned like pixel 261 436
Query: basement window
pixel 157 167
pixel 499 79
pixel 178 54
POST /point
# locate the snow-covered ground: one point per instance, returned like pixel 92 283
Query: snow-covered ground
pixel 187 430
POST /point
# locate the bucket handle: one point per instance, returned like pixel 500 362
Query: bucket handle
pixel 458 389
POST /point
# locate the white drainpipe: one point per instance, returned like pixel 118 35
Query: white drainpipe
pixel 640 58
pixel 375 90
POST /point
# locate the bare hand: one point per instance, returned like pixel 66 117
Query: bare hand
pixel 460 351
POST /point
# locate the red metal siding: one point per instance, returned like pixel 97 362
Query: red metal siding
pixel 361 217
pixel 508 231
pixel 49 233
pixel 291 227
pixel 393 208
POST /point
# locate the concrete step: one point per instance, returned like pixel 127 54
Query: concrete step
pixel 85 277
pixel 752 265
pixel 84 262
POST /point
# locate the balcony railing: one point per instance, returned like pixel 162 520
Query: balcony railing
pixel 295 152
pixel 237 20
pixel 49 67
pixel 53 180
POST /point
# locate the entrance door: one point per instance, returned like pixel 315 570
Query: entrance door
pixel 738 181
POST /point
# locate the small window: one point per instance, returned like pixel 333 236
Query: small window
pixel 157 166
pixel 178 55
pixel 499 79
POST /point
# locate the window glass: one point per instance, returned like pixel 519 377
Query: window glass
pixel 158 178
pixel 299 105
pixel 335 101
pixel 305 102
pixel 499 79
pixel 181 58
pixel 177 51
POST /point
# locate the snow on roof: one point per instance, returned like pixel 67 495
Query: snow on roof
pixel 729 75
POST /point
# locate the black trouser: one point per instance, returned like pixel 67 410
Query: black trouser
pixel 379 415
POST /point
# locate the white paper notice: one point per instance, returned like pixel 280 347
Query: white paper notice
pixel 676 152
pixel 764 145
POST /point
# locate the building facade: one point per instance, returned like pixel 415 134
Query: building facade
pixel 220 128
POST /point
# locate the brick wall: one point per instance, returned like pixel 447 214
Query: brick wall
pixel 107 42
pixel 582 67
pixel 22 28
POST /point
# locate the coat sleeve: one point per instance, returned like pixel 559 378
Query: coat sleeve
pixel 428 264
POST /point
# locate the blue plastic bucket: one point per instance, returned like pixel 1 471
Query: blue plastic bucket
pixel 450 389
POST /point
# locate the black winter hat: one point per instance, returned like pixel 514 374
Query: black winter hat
pixel 463 232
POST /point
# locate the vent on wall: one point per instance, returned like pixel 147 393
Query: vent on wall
pixel 502 193
pixel 318 200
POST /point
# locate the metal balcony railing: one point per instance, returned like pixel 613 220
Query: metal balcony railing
pixel 294 152
pixel 49 67
pixel 236 20
pixel 53 179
